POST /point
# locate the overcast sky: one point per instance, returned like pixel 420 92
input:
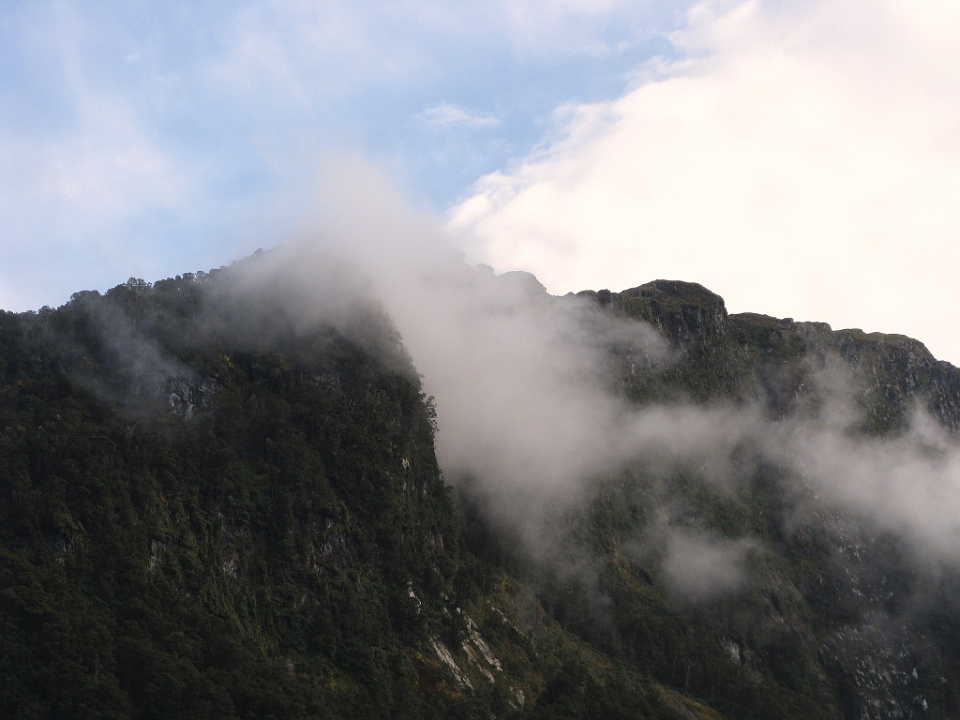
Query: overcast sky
pixel 801 157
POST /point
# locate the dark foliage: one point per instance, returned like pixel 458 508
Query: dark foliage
pixel 209 508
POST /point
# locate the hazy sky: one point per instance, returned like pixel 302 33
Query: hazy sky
pixel 799 157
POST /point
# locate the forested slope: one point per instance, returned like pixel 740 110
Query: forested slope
pixel 199 521
pixel 211 508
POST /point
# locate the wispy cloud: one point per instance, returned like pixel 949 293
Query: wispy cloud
pixel 530 424
pixel 701 567
pixel 79 161
pixel 445 114
pixel 162 139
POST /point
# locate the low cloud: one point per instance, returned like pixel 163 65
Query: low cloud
pixel 521 378
pixel 907 485
pixel 530 419
pixel 700 567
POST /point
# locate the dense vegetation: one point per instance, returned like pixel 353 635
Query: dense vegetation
pixel 208 509
pixel 249 554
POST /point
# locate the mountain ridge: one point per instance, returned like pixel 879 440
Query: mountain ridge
pixel 212 507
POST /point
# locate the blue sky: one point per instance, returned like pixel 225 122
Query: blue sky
pixel 799 157
pixel 155 138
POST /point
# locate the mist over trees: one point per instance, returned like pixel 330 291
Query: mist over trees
pixel 307 485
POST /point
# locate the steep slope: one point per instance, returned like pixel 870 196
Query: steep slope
pixel 212 504
pixel 842 606
pixel 212 507
pixel 200 520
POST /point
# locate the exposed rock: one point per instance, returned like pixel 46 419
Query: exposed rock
pixel 185 398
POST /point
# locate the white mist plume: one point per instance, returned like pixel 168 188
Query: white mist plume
pixel 518 375
pixel 907 485
pixel 701 567
pixel 526 415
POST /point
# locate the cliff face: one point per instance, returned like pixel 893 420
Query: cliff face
pixel 735 355
pixel 845 606
pixel 209 508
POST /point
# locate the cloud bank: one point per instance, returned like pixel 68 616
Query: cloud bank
pixel 796 157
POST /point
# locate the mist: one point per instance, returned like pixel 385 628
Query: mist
pixel 701 567
pixel 528 413
pixel 907 485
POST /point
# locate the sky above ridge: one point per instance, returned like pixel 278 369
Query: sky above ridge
pixel 800 158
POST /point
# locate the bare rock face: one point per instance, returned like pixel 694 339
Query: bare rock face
pixel 185 398
pixel 524 282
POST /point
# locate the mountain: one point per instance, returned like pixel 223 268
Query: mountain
pixel 216 503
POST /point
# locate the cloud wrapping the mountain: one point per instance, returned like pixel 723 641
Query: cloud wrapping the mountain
pixel 907 485
pixel 520 377
pixel 528 417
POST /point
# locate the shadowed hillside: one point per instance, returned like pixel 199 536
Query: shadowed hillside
pixel 214 503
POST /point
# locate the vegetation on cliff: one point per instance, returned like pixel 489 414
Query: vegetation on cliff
pixel 211 508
